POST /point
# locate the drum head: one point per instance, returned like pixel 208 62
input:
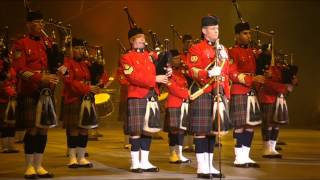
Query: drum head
pixel 101 98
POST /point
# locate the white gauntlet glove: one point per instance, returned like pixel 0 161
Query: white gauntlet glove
pixel 215 71
pixel 222 53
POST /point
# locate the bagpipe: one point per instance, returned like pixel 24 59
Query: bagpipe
pixel 60 37
pixel 56 36
pixel 95 55
pixel 161 63
pixel 268 56
pixel 10 111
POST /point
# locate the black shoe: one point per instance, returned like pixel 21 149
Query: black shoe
pixel 203 176
pixel 11 151
pixel 73 166
pixel 47 175
pixel 138 170
pixel 278 148
pixel 89 165
pixel 175 162
pixel 253 165
pixel 19 142
pixel 186 161
pixel 155 169
pixel 244 165
pixel 272 156
pixel 31 176
pixel 281 143
pixel 127 146
pixel 218 175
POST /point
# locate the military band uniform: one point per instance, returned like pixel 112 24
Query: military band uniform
pixel 143 108
pixel 31 64
pixel 272 98
pixel 244 107
pixel 177 107
pixel 202 122
pixel 7 106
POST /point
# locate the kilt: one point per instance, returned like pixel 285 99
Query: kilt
pixel 268 113
pixel 136 113
pixel 26 112
pixel 281 115
pixel 225 122
pixel 201 114
pixel 238 111
pixel 71 115
pixel 172 120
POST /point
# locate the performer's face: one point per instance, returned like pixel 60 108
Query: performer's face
pixel 187 44
pixel 176 61
pixel 244 37
pixel 78 52
pixel 211 33
pixel 138 41
pixel 35 26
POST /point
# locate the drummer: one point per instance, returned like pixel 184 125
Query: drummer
pixel 78 113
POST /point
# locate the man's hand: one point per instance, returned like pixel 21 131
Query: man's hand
pixel 215 71
pixel 50 78
pixel 62 70
pixel 94 89
pixel 169 71
pixel 162 79
pixel 259 79
pixel 289 87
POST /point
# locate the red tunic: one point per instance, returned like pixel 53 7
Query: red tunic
pixel 243 67
pixel 140 73
pixel 7 87
pixel 76 82
pixel 178 90
pixel 269 91
pixel 29 59
pixel 200 56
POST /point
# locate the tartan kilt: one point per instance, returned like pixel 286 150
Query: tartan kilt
pixel 268 112
pixel 238 111
pixel 136 112
pixel 71 115
pixel 201 114
pixel 172 120
pixel 26 112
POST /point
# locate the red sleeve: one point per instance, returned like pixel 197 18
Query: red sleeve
pixel 196 71
pixel 121 77
pixel 134 76
pixel 9 84
pixel 104 79
pixel 19 62
pixel 275 87
pixel 234 74
pixel 72 84
pixel 176 90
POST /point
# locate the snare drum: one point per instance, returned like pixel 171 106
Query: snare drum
pixel 104 106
